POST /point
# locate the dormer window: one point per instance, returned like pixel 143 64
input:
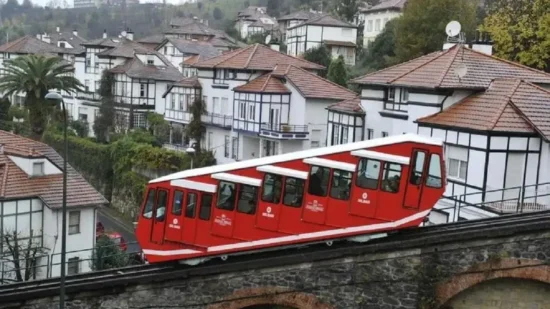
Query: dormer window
pixel 150 60
pixel 38 169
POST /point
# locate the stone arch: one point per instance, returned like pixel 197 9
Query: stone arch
pixel 270 295
pixel 499 268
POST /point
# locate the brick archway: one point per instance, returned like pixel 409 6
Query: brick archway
pixel 270 295
pixel 502 268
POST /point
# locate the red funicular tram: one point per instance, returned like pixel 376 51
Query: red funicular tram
pixel 351 191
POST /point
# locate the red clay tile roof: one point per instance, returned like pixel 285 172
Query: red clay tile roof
pixel 508 105
pixel 30 45
pixel 438 70
pixel 311 85
pixel 189 82
pixel 266 83
pixel 255 57
pixel 15 183
pixel 325 20
pixel 351 106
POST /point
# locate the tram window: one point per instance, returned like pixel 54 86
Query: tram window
pixel 341 185
pixel 294 192
pixel 368 174
pixel 392 177
pixel 248 199
pixel 148 210
pixel 191 205
pixel 206 206
pixel 226 196
pixel 161 205
pixel 434 173
pixel 272 188
pixel 318 181
pixel 416 173
pixel 177 204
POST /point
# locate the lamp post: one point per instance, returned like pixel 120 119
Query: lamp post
pixel 56 97
pixel 191 152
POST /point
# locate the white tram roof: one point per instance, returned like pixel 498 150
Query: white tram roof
pixel 396 139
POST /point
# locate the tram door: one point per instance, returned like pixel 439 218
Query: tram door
pixel 224 210
pixel 189 229
pixel 364 197
pixel 416 178
pixel 173 217
pixel 316 197
pixel 159 216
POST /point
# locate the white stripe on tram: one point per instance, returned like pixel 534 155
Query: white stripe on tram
pixel 381 156
pixel 282 171
pixel 306 236
pixel 238 179
pixel 194 185
pixel 331 164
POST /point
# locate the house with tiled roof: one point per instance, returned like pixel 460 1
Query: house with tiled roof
pixel 178 50
pixel 346 122
pixel 490 112
pixel 339 36
pixel 253 20
pixel 375 18
pixel 195 30
pixel 293 19
pixel 248 93
pixel 31 195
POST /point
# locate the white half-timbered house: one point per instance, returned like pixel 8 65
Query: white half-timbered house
pixel 340 37
pixel 346 122
pixel 178 50
pixel 31 189
pixel 396 97
pixel 377 16
pixel 293 19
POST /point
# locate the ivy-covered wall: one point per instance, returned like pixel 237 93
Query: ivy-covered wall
pixel 114 169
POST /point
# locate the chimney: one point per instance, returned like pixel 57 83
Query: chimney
pixel 130 35
pixel 75 33
pixel 123 33
pixel 57 29
pixel 483 43
pixel 105 33
pixel 46 38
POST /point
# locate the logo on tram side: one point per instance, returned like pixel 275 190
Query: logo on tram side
pixel 223 220
pixel 363 199
pixel 315 206
pixel 268 213
pixel 174 224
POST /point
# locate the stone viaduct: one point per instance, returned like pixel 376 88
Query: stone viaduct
pixel 489 270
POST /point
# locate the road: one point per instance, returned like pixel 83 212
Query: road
pixel 113 223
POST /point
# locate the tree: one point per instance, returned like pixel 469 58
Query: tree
pixel 23 254
pixel 158 127
pixel 520 30
pixel 195 128
pixel 320 55
pixel 337 72
pixel 5 105
pixel 105 122
pixel 218 14
pixel 35 75
pixel 381 52
pixel 421 28
pixel 107 255
pixel 346 9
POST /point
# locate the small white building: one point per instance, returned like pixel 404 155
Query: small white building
pixel 293 19
pixel 31 192
pixel 340 37
pixel 253 20
pixel 376 17
pixel 196 30
pixel 394 99
pixel 346 122
pixel 218 77
pixel 178 50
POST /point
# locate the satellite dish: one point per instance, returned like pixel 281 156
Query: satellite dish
pixel 268 39
pixel 453 28
pixel 461 70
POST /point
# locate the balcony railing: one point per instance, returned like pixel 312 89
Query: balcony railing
pixel 520 199
pixel 88 95
pixel 220 120
pixel 284 131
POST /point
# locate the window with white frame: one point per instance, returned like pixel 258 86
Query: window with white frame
pixel 335 134
pixel 377 25
pixel 226 146
pixel 384 134
pixel 315 138
pixel 457 162
pixel 143 90
pixel 181 101
pixel 73 266
pixel 369 26
pixel 173 101
pixel 38 168
pixel 210 140
pixel 74 222
pixel 370 133
pixel 242 110
pixel 235 148
pixel 345 131
pixel 404 95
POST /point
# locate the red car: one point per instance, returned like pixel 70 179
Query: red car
pixel 114 236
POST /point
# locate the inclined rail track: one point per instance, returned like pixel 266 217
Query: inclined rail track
pixel 507 225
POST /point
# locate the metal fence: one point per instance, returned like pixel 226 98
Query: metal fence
pixel 512 200
pixel 44 265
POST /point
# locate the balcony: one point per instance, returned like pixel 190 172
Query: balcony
pixel 88 95
pixel 284 131
pixel 219 120
pixel 176 115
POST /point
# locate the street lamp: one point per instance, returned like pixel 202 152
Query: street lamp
pixel 191 152
pixel 56 97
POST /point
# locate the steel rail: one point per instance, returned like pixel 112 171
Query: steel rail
pixel 424 237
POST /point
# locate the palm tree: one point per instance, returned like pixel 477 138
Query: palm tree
pixel 35 75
